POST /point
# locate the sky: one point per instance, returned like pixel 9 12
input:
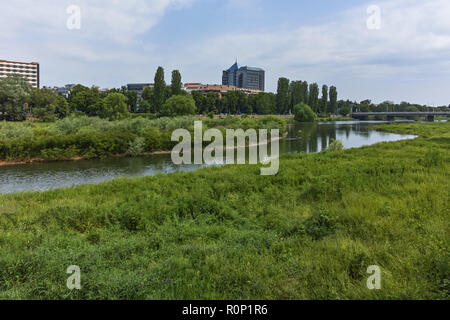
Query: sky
pixel 396 50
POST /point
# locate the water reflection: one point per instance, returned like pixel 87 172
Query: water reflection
pixel 309 138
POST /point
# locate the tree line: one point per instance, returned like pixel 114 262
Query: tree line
pixel 18 101
pixel 293 93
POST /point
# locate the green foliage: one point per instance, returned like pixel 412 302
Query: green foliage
pixel 15 92
pixel 92 137
pixel 159 90
pixel 432 158
pixel 136 147
pixel 48 106
pixel 335 145
pixel 176 83
pixel 86 100
pixel 314 97
pixel 132 100
pixel 178 106
pixel 283 95
pixel 228 233
pixel 324 100
pixel 114 107
pixel 332 107
pixel 303 113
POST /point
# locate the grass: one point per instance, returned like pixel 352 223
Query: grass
pixel 228 233
pixel 89 138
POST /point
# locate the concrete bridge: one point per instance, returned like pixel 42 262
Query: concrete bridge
pixel 390 116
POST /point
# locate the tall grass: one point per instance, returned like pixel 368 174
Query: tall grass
pixel 90 137
pixel 228 233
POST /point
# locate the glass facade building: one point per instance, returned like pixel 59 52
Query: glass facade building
pixel 244 77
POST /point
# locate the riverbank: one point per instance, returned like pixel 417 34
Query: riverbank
pixel 84 138
pixel 228 233
pixel 79 158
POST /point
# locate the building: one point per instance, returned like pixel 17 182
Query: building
pixel 65 91
pixel 229 76
pixel 29 71
pixel 139 88
pixel 244 77
pixel 250 78
pixel 189 87
pixel 216 88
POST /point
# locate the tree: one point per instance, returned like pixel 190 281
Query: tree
pixel 333 100
pixel 304 90
pixel 242 105
pixel 48 106
pixel 303 113
pixel 345 107
pixel 179 105
pixel 146 104
pixel 200 102
pixel 132 97
pixel 113 107
pixel 176 83
pixel 14 94
pixel 265 103
pixel 314 96
pixel 295 93
pixel 86 101
pixel 324 100
pixel 211 102
pixel 74 92
pixel 231 102
pixel 159 90
pixel 283 95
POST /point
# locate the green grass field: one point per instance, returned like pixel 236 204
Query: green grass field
pixel 228 233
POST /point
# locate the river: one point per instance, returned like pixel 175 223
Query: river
pixel 307 137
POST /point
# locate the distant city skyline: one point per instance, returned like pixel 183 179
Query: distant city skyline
pixel 405 58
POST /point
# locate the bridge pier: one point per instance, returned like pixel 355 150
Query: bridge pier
pixel 390 118
pixel 430 118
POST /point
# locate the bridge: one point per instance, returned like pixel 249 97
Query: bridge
pixel 390 116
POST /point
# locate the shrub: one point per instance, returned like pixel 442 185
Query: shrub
pixel 303 113
pixel 335 145
pixel 136 147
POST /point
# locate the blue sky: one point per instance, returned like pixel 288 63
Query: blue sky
pixel 323 41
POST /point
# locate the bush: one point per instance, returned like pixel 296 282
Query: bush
pixel 92 137
pixel 136 147
pixel 303 113
pixel 335 145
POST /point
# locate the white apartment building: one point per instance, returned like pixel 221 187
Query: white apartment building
pixel 29 71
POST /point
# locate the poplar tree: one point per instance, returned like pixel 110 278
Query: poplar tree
pixel 324 101
pixel 283 95
pixel 314 96
pixel 159 90
pixel 176 82
pixel 333 100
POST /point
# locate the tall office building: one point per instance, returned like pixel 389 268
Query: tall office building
pixel 29 71
pixel 139 88
pixel 244 77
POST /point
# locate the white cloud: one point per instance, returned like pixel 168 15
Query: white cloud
pixel 413 44
pixel 409 58
pixel 106 23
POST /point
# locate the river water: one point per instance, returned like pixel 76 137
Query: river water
pixel 307 137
